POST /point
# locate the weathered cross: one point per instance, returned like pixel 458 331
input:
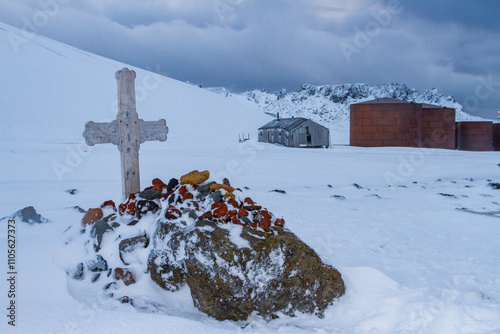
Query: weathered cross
pixel 127 131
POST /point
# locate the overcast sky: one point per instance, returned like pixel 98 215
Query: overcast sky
pixel 251 44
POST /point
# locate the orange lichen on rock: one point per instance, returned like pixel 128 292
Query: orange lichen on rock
pixel 217 186
pixel 91 216
pixel 195 177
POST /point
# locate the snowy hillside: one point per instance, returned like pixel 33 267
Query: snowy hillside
pixel 391 220
pixel 329 105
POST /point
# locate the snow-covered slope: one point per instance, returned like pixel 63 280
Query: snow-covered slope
pixel 387 218
pixel 329 105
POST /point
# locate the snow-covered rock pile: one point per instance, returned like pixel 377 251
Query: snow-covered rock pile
pixel 235 257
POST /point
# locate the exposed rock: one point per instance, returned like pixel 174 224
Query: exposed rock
pixel 108 204
pixel 98 229
pixel 72 191
pixel 218 186
pixel 125 275
pixel 131 244
pixel 30 216
pixel 276 273
pixel 91 216
pixel 277 191
pixel 150 194
pixel 195 177
pixel 145 206
pixel 99 264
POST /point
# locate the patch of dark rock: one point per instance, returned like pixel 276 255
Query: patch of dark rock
pixel 172 184
pixel 217 196
pixel 96 277
pixel 338 197
pixel 133 222
pixel 79 209
pixel 98 264
pixel 414 182
pixel 402 186
pixel 277 191
pixel 447 195
pixel 131 244
pixel 79 273
pixel 246 188
pixel 357 186
pixel 496 203
pixel 115 224
pixel 98 229
pixel 329 186
pixel 150 194
pixel 438 180
pixel 203 223
pixel 495 185
pixel 205 188
pixel 145 206
pixel 30 216
pixel 72 191
pixel 373 196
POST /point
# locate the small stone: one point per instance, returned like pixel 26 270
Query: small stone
pixel 98 229
pixel 172 213
pixel 172 184
pixel 133 222
pixel 159 185
pixel 79 272
pixel 203 223
pixel 185 194
pixel 145 206
pixel 91 216
pixel 228 195
pixel 243 213
pixel 280 222
pixel 246 220
pixel 278 191
pixel 72 191
pixel 30 216
pixel 150 194
pixel 218 186
pixel 131 244
pixel 219 209
pixel 79 209
pixel 125 275
pixel 252 207
pixel 109 204
pixel 226 182
pixel 248 201
pixel 193 215
pixel 99 264
pixel 205 188
pixel 355 185
pixel 217 196
pixel 194 177
pixel 126 300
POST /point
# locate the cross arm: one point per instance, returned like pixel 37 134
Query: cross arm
pixel 153 130
pixel 101 133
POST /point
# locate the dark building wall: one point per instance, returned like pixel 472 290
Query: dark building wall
pixel 496 136
pixel 475 136
pixel 438 128
pixel 386 124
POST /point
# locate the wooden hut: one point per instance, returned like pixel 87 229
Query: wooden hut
pixel 295 132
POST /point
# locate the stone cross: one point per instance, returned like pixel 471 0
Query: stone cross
pixel 127 131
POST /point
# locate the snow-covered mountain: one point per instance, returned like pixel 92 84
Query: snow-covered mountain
pixel 329 104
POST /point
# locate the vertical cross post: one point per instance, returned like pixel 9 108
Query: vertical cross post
pixel 127 131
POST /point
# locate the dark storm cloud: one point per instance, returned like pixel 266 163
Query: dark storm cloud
pixel 274 44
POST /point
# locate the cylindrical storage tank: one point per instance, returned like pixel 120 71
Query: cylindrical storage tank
pixel 475 136
pixel 496 136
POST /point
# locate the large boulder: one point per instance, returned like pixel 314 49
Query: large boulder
pixel 233 271
pixel 232 255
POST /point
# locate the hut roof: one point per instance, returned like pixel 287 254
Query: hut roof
pixel 284 123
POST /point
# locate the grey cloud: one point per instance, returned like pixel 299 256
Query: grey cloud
pixel 251 44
